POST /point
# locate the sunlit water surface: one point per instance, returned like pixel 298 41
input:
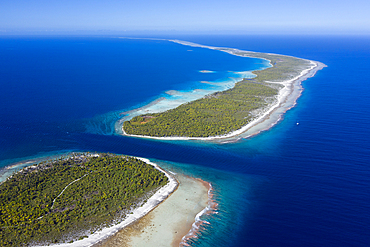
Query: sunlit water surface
pixel 304 185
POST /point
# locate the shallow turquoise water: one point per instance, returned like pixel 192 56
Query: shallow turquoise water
pixel 303 185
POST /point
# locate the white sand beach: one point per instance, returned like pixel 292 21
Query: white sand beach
pixel 169 218
pixel 285 100
pixel 172 222
pixel 136 214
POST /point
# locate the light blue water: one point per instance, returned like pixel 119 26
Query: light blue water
pixel 303 185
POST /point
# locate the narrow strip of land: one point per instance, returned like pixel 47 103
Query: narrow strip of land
pixel 232 112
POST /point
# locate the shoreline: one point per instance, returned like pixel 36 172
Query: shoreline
pixel 291 91
pixel 15 165
pixel 198 223
pixel 295 91
pixel 185 231
pixel 159 197
pixel 187 204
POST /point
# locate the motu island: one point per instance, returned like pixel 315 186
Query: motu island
pixel 231 112
pixel 67 199
pixel 101 199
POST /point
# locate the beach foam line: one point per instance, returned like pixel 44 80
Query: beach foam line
pixel 161 194
pixel 294 88
pixel 210 209
pixel 170 221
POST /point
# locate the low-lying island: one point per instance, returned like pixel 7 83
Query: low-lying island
pixel 229 114
pixel 173 222
pixel 80 199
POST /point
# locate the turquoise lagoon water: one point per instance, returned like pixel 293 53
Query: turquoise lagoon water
pixel 303 185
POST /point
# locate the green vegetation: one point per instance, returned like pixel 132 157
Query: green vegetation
pixel 283 67
pixel 102 190
pixel 213 115
pixel 223 112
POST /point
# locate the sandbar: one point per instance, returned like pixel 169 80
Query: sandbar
pixel 172 222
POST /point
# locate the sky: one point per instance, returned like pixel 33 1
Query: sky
pixel 240 16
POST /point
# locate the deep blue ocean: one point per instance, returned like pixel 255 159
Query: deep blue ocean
pixel 305 185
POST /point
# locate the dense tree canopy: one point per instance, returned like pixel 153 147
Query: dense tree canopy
pixel 223 112
pixel 63 200
pixel 216 114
